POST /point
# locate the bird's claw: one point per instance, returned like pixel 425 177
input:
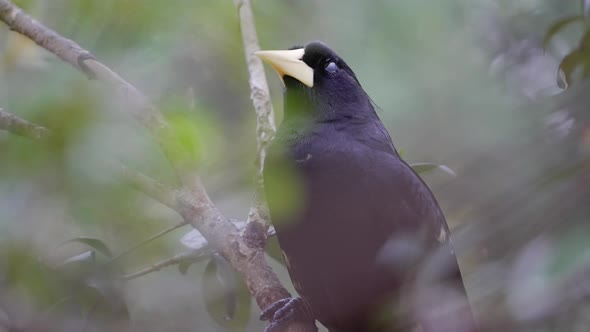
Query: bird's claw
pixel 286 311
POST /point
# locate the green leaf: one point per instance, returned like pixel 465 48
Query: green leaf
pixel 567 67
pixel 421 168
pixel 94 243
pixel 226 296
pixel 558 26
pixel 194 136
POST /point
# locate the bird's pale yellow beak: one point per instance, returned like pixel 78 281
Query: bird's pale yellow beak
pixel 289 63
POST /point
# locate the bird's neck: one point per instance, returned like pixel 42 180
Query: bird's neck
pixel 304 112
pixel 295 132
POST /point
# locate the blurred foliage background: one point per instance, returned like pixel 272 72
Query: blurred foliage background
pixel 473 85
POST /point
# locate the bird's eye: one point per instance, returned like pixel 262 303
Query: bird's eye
pixel 331 67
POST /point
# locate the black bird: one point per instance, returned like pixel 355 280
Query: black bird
pixel 365 241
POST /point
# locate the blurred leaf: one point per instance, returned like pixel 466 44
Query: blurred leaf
pixel 532 293
pixel 22 51
pixel 84 257
pixel 226 296
pixel 77 268
pixel 193 239
pixel 421 168
pixel 183 267
pixel 192 258
pixel 558 26
pixel 20 269
pixel 273 249
pixel 94 243
pixel 66 303
pixel 184 140
pixel 194 136
pixel 26 4
pixel 284 188
pixel 567 67
pixel 105 294
pixel 92 288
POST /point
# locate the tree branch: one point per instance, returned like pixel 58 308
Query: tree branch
pixel 259 217
pixel 81 59
pixel 18 126
pixel 259 93
pixel 245 252
pixel 69 51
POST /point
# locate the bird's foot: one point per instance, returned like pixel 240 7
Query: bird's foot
pixel 286 311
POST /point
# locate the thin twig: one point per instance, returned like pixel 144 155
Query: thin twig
pixel 145 241
pixel 195 255
pixel 191 256
pixel 18 126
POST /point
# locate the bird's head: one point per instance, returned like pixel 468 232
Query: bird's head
pixel 317 81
